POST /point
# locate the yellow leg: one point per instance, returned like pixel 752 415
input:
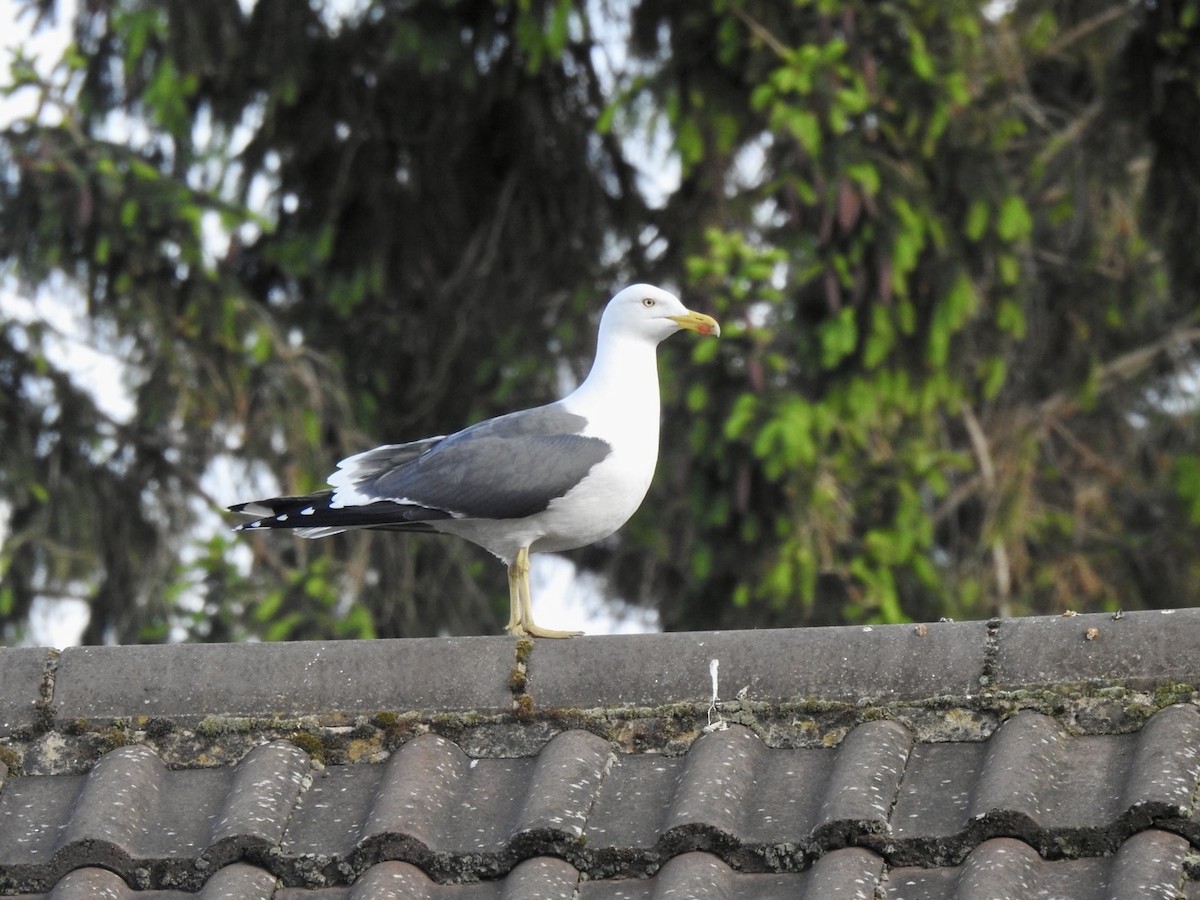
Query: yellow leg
pixel 523 603
pixel 514 601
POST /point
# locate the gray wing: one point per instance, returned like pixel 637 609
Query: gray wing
pixel 371 464
pixel 504 468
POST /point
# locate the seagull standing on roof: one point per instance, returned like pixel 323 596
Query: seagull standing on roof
pixel 545 479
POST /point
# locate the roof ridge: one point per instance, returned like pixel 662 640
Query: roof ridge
pixel 357 701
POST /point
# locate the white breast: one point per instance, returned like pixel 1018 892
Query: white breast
pixel 615 488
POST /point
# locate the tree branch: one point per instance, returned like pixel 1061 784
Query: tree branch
pixel 1123 367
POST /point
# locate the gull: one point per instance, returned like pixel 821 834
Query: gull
pixel 538 480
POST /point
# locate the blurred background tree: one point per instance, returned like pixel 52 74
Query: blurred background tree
pixel 952 243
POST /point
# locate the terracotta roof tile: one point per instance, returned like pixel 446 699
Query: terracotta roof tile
pixel 1139 649
pixel 846 663
pixel 1031 779
pixel 542 878
pixel 234 882
pixel 282 679
pixel 759 808
pixel 22 673
pixel 1148 865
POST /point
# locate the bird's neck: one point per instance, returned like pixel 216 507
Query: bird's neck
pixel 624 376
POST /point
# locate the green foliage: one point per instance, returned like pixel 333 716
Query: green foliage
pixel 895 448
pixel 953 254
pixel 1186 477
pixel 377 182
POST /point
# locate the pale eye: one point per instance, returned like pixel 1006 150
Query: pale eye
pixel 648 302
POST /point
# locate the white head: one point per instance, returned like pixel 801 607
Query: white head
pixel 651 312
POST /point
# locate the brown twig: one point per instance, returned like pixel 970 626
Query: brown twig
pixel 761 32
